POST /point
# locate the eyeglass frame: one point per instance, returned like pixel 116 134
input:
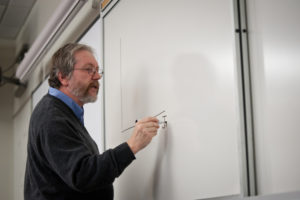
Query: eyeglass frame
pixel 91 70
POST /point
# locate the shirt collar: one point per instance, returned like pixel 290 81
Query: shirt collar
pixel 69 101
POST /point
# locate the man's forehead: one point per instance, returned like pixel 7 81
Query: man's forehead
pixel 85 55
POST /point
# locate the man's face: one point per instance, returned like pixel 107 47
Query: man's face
pixel 83 83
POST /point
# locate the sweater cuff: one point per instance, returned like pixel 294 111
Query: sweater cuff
pixel 124 155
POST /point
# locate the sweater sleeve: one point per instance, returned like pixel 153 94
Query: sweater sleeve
pixel 73 161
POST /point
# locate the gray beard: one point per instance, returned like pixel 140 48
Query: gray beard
pixel 83 95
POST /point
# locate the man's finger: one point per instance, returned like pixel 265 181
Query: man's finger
pixel 148 119
pixel 150 124
pixel 151 129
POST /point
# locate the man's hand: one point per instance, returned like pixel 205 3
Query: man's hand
pixel 143 133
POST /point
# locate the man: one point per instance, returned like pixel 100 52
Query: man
pixel 63 160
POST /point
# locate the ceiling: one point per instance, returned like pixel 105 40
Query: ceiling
pixel 13 14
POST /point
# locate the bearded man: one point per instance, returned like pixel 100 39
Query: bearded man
pixel 63 161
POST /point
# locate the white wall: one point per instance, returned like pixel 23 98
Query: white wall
pixel 274 51
pixel 21 125
pixel 6 142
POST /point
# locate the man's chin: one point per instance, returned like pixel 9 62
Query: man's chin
pixel 88 99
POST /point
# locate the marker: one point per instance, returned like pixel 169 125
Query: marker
pixel 159 113
pixel 160 122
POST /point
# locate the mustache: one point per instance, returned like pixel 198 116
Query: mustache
pixel 94 84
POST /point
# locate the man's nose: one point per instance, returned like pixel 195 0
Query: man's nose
pixel 97 76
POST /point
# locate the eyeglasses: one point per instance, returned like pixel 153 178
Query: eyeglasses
pixel 92 70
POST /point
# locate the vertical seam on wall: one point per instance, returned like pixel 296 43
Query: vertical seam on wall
pixel 245 75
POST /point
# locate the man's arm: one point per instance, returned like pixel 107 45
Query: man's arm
pixel 72 160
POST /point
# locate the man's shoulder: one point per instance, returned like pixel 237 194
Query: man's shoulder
pixel 49 108
pixel 48 103
pixel 50 113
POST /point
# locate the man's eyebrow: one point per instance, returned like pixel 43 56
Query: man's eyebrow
pixel 91 65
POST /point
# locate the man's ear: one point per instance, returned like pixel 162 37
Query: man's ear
pixel 63 79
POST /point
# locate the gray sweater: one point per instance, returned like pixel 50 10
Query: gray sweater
pixel 63 161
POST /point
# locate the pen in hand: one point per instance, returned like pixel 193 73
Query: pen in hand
pixel 160 122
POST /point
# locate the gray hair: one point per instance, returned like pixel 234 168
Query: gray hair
pixel 63 61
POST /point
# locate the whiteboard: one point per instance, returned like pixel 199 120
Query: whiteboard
pixel 93 112
pixel 176 56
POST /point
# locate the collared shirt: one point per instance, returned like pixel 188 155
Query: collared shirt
pixel 69 101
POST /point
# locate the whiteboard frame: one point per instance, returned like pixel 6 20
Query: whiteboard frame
pixel 103 14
